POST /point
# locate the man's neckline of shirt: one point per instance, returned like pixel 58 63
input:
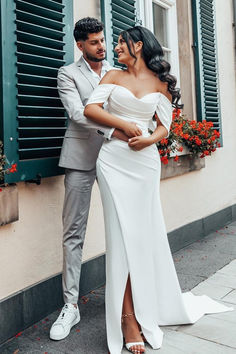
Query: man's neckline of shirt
pixel 105 67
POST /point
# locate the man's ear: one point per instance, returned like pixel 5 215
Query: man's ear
pixel 80 45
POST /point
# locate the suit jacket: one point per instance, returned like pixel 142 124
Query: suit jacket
pixel 83 138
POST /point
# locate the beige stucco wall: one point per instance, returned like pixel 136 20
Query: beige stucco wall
pixel 197 194
pixel 30 249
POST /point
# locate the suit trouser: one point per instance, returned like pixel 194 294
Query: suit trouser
pixel 78 187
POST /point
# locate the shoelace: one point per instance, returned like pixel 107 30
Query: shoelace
pixel 65 311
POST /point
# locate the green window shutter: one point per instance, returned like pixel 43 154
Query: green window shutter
pixel 118 15
pixel 206 66
pixel 39 41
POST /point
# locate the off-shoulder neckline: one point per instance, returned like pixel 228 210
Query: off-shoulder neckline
pixel 150 93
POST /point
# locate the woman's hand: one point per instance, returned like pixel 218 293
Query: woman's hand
pixel 140 142
pixel 131 129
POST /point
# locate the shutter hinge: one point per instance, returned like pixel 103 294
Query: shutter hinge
pixel 36 180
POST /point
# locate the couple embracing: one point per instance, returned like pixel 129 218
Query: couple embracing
pixel 115 145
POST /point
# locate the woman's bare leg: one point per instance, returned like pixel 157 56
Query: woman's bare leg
pixel 130 325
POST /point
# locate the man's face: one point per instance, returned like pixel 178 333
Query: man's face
pixel 93 48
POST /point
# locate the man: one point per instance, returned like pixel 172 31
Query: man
pixel 81 145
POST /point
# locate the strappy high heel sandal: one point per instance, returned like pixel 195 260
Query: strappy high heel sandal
pixel 130 345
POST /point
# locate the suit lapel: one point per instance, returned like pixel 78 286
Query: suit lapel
pixel 86 72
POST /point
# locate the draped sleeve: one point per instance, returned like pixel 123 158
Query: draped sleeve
pixel 100 94
pixel 164 111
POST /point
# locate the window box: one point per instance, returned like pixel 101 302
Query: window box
pixel 185 164
pixel 9 210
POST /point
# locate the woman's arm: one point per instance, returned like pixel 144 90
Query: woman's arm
pixel 96 113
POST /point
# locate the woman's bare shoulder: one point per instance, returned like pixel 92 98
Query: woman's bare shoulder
pixel 164 90
pixel 111 77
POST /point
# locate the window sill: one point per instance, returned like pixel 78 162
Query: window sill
pixel 185 164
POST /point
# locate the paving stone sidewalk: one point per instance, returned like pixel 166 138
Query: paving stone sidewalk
pixel 207 267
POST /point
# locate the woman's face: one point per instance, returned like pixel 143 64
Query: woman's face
pixel 122 51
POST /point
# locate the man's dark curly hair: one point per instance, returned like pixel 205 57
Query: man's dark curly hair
pixel 85 26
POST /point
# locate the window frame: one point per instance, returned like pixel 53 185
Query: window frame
pixel 146 14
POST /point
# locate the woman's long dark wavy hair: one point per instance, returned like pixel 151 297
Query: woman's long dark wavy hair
pixel 153 54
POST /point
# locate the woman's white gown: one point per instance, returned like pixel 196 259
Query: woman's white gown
pixel 136 238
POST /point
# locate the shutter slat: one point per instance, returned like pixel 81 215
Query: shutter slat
pixel 131 3
pixel 208 33
pixel 208 53
pixel 39 20
pixel 41 30
pixel 32 121
pixel 38 59
pixel 49 4
pixel 40 40
pixel 36 79
pixel 123 23
pixel 124 5
pixel 39 50
pixel 39 153
pixel 209 63
pixel 37 90
pixel 36 70
pixel 39 10
pixel 30 150
pixel 37 139
pixel 208 42
pixel 207 6
pixel 39 108
pixel 37 100
pixel 123 12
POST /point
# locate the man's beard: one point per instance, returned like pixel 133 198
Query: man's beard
pixel 92 58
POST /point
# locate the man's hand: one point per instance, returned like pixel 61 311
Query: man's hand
pixel 139 142
pixel 119 134
pixel 131 129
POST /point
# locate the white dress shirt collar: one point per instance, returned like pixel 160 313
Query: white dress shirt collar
pixel 105 68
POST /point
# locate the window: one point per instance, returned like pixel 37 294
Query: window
pixel 160 26
pixel 36 40
pixel 160 17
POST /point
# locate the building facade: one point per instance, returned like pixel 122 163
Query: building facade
pixel 36 39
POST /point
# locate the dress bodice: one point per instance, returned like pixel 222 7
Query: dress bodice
pixel 122 103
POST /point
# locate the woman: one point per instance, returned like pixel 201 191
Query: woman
pixel 142 289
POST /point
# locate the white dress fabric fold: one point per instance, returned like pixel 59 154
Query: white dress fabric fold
pixel 136 238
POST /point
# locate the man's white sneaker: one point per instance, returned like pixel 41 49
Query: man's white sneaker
pixel 68 318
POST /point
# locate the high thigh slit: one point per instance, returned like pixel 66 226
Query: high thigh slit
pixel 136 238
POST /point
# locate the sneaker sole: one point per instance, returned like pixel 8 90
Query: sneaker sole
pixel 53 337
